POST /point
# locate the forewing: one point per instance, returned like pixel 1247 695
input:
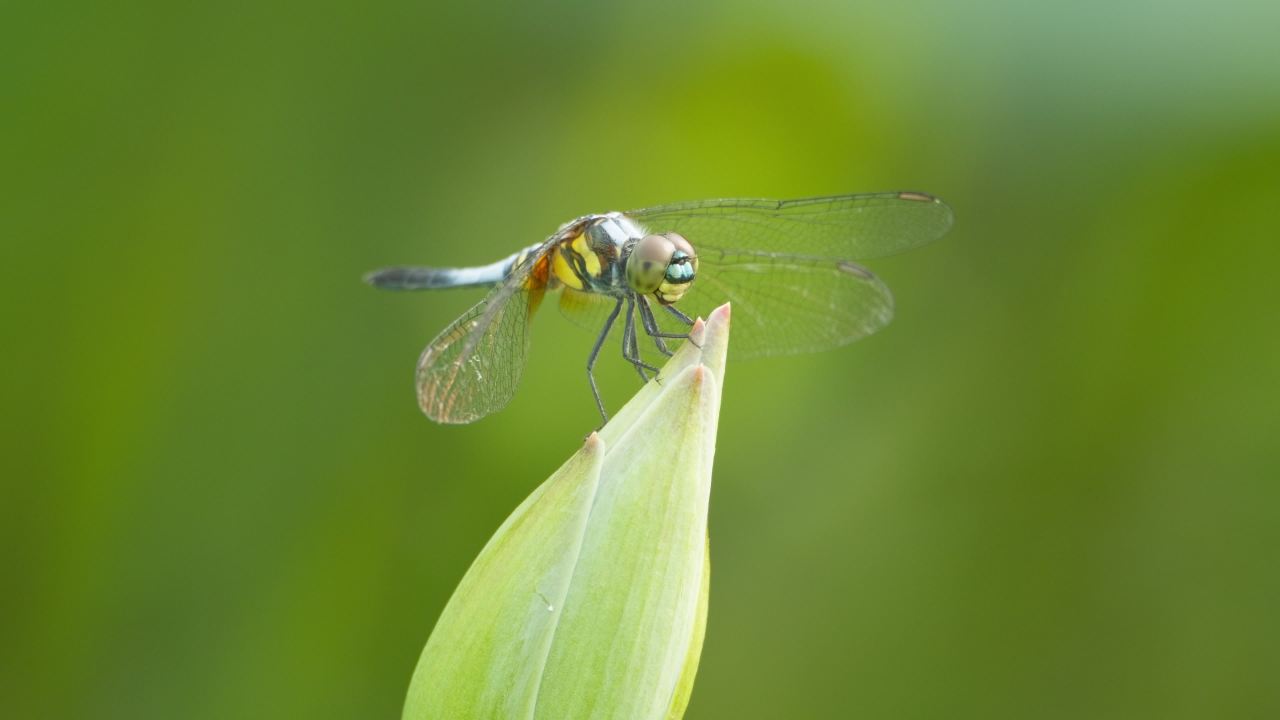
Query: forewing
pixel 842 227
pixel 473 367
pixel 785 306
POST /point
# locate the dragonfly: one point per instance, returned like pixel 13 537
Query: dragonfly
pixel 790 269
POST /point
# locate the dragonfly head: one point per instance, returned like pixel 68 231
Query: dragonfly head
pixel 663 266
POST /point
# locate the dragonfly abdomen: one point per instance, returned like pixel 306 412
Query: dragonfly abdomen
pixel 433 278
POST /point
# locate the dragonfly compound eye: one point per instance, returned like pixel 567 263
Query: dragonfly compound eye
pixel 684 263
pixel 680 271
pixel 647 265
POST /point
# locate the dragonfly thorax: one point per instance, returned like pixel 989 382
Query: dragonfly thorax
pixel 661 265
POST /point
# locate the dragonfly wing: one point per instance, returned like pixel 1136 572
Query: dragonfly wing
pixel 787 265
pixel 839 227
pixel 587 310
pixel 785 306
pixel 473 367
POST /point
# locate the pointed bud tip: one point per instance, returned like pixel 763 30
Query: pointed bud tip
pixel 702 378
pixel 717 323
pixel 720 314
pixel 698 330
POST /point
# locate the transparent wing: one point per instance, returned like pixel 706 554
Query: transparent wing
pixel 787 306
pixel 587 310
pixel 473 367
pixel 842 227
pixel 786 264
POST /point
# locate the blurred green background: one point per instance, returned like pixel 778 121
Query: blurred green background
pixel 1048 490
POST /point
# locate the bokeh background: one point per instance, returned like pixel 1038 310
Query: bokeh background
pixel 1048 490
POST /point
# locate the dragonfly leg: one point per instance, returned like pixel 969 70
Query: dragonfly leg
pixel 651 327
pixel 676 311
pixel 630 348
pixel 684 319
pixel 595 353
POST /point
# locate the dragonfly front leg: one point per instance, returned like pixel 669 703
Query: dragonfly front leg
pixel 651 327
pixel 630 348
pixel 595 353
pixel 676 311
pixel 684 319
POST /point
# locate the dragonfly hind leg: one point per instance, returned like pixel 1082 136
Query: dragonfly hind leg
pixel 595 353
